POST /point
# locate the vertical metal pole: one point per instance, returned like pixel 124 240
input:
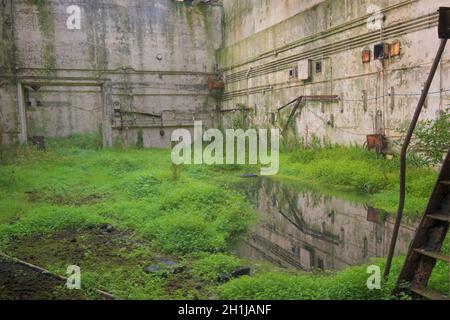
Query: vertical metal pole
pixel 406 143
pixel 23 135
pixel 107 111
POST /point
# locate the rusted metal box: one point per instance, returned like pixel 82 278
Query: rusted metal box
pixel 214 84
pixel 376 142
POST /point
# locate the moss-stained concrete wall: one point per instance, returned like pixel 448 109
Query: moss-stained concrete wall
pixel 265 38
pixel 245 18
pixel 153 57
pixel 138 56
pixel 8 116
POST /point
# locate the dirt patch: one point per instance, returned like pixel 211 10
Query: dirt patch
pixel 75 247
pixel 18 282
pixel 64 199
pixel 103 249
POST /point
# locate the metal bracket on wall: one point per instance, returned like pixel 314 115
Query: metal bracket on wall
pixel 298 101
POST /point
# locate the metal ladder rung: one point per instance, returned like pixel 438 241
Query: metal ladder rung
pixel 434 255
pixel 446 182
pixel 428 293
pixel 439 216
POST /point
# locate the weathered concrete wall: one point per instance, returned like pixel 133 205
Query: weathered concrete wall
pixel 264 39
pixel 245 18
pixel 8 116
pixel 150 58
pixel 143 57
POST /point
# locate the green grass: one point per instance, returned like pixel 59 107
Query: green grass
pixel 359 170
pixel 73 188
pixel 349 284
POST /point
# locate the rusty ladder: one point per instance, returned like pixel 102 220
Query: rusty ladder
pixel 425 249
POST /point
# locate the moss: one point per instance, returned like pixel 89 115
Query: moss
pixel 361 171
pixel 47 27
pixel 8 46
pixel 192 220
pixel 49 202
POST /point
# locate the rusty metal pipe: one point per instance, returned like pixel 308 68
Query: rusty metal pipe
pixel 289 103
pixel 311 98
pixel 403 153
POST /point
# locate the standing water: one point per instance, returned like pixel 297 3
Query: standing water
pixel 302 229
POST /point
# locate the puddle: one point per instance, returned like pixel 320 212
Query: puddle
pixel 299 228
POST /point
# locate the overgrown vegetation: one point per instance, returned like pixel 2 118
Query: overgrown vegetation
pixel 431 140
pixel 115 212
pixel 357 169
pixel 349 284
pixel 73 186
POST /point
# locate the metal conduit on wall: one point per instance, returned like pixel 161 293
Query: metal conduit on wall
pixel 318 36
pixel 424 22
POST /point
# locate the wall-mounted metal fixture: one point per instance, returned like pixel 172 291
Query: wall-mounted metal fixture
pixel 159 57
pixel 381 51
pixel 392 96
pixel 377 142
pixel 318 67
pixel 328 98
pixel 272 118
pixel 293 73
pixel 235 110
pixel 364 99
pixel 330 121
pixel 365 56
pixel 444 23
pixel 304 70
pixel 298 102
pixel 117 112
pixel 394 49
pixel 215 84
pixel 249 71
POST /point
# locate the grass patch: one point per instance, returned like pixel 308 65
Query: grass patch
pixel 361 171
pixel 50 203
pixel 349 284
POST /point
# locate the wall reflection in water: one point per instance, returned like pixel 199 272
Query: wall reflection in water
pixel 301 229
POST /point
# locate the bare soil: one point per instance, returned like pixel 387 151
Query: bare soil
pixel 19 282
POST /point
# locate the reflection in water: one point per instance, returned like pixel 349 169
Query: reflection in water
pixel 304 230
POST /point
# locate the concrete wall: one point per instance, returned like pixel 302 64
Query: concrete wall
pixel 144 57
pixel 265 38
pixel 151 58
